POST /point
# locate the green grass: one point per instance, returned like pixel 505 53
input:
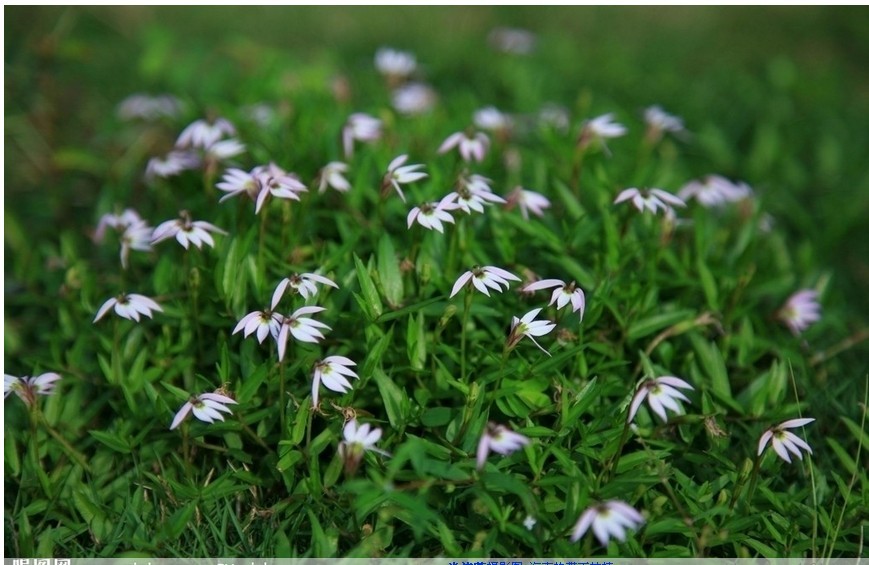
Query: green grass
pixel 95 471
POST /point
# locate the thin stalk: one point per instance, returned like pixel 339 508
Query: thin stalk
pixel 70 450
pixel 469 295
pixel 614 466
pixel 261 248
pixel 283 402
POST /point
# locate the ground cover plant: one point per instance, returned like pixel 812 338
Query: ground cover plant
pixel 412 295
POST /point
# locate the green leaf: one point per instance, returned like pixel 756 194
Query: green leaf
pixel 658 322
pixel 707 281
pixel 389 272
pixel 373 307
pixel 178 521
pixel 10 454
pixel 436 417
pixel 395 399
pixel 112 441
pixel 416 346
pixel 712 364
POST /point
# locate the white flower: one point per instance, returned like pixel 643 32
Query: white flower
pixel 484 278
pixel 129 306
pixel 659 121
pixel 562 295
pixel 236 182
pixel 333 175
pixel 391 62
pixel 397 173
pixel 204 134
pixel 224 149
pixel 714 190
pixel 650 199
pixel 471 147
pixel 528 200
pixel 599 129
pixel 357 440
pixel 512 40
pixel 303 329
pixel 116 221
pixel 26 388
pixel 784 441
pixel 529 327
pixel 149 108
pixel 492 119
pixel 611 518
pixel 172 164
pixel 206 407
pixel 186 231
pixel 360 127
pixel 473 194
pixel 261 113
pixel 661 394
pixel 413 99
pixel 801 311
pixel 554 116
pixel 529 522
pixel 136 236
pixel 431 215
pixel 332 372
pixel 277 183
pixel 500 439
pixel 263 322
pixel 303 284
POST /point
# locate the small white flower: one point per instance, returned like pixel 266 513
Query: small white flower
pixel 262 114
pixel 563 294
pixel 492 119
pixel 357 440
pixel 611 518
pixel 149 108
pixel 484 278
pixel 303 284
pixel 528 200
pixel 116 221
pixel 397 173
pixel 472 147
pixel 26 388
pixel 204 134
pixel 512 40
pixel 277 183
pixel 391 62
pixel 224 149
pixel 529 522
pixel 206 407
pixel 333 175
pixel 431 215
pixel 303 329
pixel 650 199
pixel 237 181
pixel 658 121
pixel 474 194
pixel 662 393
pixel 413 99
pixel 137 237
pixel 528 327
pixel 129 306
pixel 599 129
pixel 714 190
pixel 801 311
pixel 360 127
pixel 172 164
pixel 784 441
pixel 332 372
pixel 186 231
pixel 501 440
pixel 263 322
pixel 554 116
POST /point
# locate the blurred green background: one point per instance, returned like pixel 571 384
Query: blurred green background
pixel 778 96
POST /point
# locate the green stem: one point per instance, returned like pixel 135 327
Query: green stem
pixel 469 295
pixel 614 466
pixel 261 248
pixel 283 402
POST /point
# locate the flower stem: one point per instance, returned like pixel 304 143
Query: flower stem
pixel 283 401
pixel 70 450
pixel 469 295
pixel 614 466
pixel 261 248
